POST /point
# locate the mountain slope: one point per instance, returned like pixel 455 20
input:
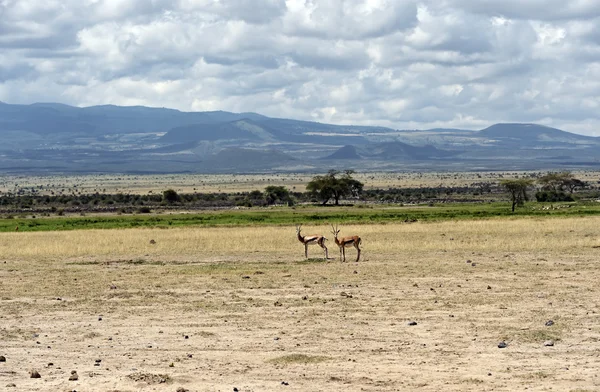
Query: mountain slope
pixel 346 152
pixel 532 133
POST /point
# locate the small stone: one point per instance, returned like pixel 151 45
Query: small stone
pixel 412 323
pixel 235 389
pixel 98 360
pixel 356 272
pixel 2 358
pixel 473 264
pixel 245 277
pixel 99 318
pixel 186 337
pixel 12 384
pixel 489 287
pixel 152 242
pixel 277 303
pixel 502 344
pixel 50 364
pixel 549 323
pixel 190 356
pixel 305 298
pixel 74 376
pixel 285 383
pixel 34 374
pixel 469 261
pixel 182 389
pixel 489 374
pixel 549 343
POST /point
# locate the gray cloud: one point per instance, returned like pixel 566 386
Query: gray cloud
pixel 403 64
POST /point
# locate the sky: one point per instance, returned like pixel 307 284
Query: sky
pixel 403 64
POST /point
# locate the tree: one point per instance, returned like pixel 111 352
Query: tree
pixel 559 182
pixel 517 189
pixel 170 196
pixel 329 186
pixel 274 194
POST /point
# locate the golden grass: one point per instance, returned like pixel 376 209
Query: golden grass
pixel 558 235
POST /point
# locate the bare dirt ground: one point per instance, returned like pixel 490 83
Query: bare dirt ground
pixel 224 308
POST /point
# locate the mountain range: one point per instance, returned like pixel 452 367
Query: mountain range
pixel 57 138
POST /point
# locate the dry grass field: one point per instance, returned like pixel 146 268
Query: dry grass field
pixel 213 309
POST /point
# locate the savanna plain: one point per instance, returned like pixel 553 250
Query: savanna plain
pixel 238 307
pixel 195 305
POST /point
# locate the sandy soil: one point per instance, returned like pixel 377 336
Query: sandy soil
pixel 274 322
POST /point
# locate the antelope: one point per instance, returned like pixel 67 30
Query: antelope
pixel 346 242
pixel 311 240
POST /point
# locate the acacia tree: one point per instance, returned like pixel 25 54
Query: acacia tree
pixel 274 194
pixel 559 182
pixel 517 189
pixel 170 196
pixel 330 186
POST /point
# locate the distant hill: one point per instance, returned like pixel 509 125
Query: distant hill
pixel 399 150
pixel 245 158
pixel 211 132
pixel 53 136
pixel 346 152
pixel 532 133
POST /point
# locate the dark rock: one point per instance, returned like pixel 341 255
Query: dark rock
pixel 412 323
pixel 152 242
pixel 2 358
pixel 34 374
pixel 285 383
pixel 182 389
pixel 549 343
pixel 74 376
pixel 502 344
pixel 489 287
pixel 549 323
pixel 11 385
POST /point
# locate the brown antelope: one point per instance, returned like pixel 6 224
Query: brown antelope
pixel 346 242
pixel 311 240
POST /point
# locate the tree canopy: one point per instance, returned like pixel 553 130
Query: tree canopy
pixel 333 186
pixel 517 188
pixel 560 182
pixel 277 194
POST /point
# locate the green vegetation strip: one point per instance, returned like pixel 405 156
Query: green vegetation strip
pixel 306 215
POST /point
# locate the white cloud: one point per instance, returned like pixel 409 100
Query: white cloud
pixel 403 64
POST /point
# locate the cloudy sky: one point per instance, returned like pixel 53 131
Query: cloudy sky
pixel 404 63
